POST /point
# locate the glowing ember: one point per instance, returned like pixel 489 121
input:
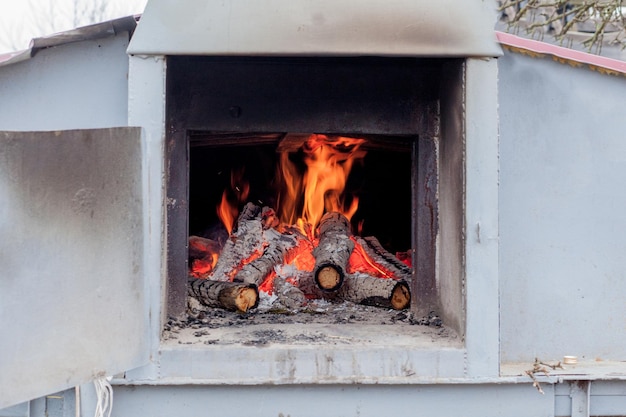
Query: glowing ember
pixel 360 261
pixel 201 268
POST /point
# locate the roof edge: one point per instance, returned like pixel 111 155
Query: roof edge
pixel 84 33
pixel 517 43
pixel 391 28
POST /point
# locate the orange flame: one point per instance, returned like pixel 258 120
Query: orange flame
pixel 321 187
pixel 228 208
pixel 227 212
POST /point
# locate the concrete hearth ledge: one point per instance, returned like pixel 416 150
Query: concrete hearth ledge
pixel 316 353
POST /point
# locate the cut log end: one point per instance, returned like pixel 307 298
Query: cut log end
pixel 247 298
pixel 328 278
pixel 240 298
pixel 223 294
pixel 400 296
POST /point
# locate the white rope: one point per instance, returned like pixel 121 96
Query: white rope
pixel 104 397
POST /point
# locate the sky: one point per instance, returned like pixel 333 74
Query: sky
pixel 23 20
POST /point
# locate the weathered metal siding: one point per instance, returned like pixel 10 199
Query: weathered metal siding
pixel 562 205
pixel 72 86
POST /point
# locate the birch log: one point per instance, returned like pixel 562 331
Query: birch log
pixel 241 245
pixel 379 292
pixel 228 295
pixel 362 289
pixel 256 271
pixel 332 252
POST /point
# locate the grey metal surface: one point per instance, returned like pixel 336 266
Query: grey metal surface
pixel 595 398
pixel 71 259
pixel 146 108
pixel 562 171
pixel 321 27
pixel 70 86
pixel 481 228
pixel 469 400
pixel 580 393
pixel 485 398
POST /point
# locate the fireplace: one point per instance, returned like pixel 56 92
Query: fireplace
pixel 238 115
pixel 410 79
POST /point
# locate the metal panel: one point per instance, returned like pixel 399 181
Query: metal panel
pixel 321 27
pixel 481 217
pixel 71 259
pixel 468 400
pixel 87 80
pixel 562 169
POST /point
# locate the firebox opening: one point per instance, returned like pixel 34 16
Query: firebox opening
pixel 263 214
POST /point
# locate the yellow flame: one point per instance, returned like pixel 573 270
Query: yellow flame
pixel 320 188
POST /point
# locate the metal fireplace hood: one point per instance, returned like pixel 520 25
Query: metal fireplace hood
pixel 443 28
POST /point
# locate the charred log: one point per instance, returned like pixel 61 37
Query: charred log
pixel 228 295
pixel 332 252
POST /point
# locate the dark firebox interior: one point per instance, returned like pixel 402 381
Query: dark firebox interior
pixel 382 183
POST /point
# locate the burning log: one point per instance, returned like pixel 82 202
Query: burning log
pixel 379 292
pixel 256 248
pixel 244 242
pixel 362 289
pixel 332 252
pixel 256 271
pixel 228 295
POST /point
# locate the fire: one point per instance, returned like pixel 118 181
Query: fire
pixel 308 191
pixel 320 188
pixel 311 182
pixel 228 208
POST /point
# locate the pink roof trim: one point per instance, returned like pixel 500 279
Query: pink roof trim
pixel 561 52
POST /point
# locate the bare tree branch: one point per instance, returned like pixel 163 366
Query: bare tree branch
pixel 602 20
